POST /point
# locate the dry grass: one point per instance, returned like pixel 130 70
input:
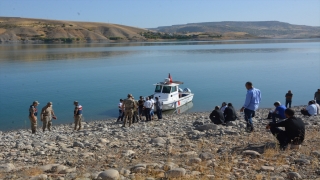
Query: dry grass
pixel 34 171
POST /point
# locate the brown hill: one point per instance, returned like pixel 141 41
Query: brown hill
pixel 20 29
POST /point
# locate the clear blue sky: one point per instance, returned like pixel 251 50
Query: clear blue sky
pixel 154 13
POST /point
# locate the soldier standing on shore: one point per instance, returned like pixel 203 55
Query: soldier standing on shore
pixel 47 114
pixel 33 116
pixel 77 115
pixel 128 106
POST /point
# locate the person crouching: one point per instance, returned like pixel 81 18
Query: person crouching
pixel 294 132
pixel 216 116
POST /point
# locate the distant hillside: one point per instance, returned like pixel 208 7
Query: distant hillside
pixel 259 29
pixel 21 29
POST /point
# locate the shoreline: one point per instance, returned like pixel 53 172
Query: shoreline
pixel 185 146
pixel 114 118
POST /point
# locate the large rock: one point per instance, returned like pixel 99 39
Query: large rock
pixel 158 140
pixel 175 173
pixel 110 174
pixel 39 177
pixel 6 167
pixel 294 175
pixel 205 156
pixel 207 127
pixel 267 168
pixel 194 161
pixel 252 153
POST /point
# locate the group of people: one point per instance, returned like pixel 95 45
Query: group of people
pixel 294 132
pixel 132 111
pixel 47 114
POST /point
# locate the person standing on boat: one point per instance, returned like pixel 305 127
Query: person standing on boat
pixel 128 106
pixel 141 102
pixel 158 105
pixel 251 104
pixel 47 114
pixel 147 108
pixel 33 112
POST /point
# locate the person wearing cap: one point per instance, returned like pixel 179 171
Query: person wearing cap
pixel 77 115
pixel 288 96
pixel 310 110
pixel 47 114
pixel 128 106
pixel 33 112
pixel 317 96
pixel 278 112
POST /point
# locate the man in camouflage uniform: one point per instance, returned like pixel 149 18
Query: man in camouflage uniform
pixel 128 106
pixel 33 116
pixel 135 112
pixel 47 114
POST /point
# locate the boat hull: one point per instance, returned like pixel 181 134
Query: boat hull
pixel 167 105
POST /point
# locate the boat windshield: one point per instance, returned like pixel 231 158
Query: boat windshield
pixel 158 88
pixel 166 89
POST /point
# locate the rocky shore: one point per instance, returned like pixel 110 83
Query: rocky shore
pixel 185 146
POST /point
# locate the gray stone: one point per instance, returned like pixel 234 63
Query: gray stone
pixel 267 168
pixel 193 161
pixel 207 127
pixel 205 156
pixel 110 174
pixel 277 178
pixel 78 144
pixel 158 140
pixel 301 161
pixel 252 153
pixel 316 153
pixel 6 167
pixel 175 173
pixel 294 175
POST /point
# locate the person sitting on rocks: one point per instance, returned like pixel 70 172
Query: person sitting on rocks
pixel 311 109
pixel 318 106
pixel 223 106
pixel 278 112
pixel 294 132
pixel 216 116
pixel 229 113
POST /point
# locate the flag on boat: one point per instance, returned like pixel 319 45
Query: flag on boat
pixel 170 78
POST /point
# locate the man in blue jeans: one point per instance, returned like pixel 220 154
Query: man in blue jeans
pixel 278 112
pixel 251 104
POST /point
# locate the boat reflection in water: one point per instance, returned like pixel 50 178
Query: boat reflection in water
pixel 182 109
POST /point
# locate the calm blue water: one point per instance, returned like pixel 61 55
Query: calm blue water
pixel 97 75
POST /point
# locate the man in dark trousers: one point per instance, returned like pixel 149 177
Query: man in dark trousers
pixel 288 99
pixel 229 113
pixel 294 130
pixel 216 116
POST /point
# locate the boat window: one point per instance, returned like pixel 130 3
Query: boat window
pixel 166 89
pixel 174 89
pixel 158 88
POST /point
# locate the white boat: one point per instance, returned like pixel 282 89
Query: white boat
pixel 171 95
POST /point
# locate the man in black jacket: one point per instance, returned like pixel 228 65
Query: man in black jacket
pixel 229 113
pixel 216 116
pixel 294 130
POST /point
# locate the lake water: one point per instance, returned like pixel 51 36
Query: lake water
pixel 98 75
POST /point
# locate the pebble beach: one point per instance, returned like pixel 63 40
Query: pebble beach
pixel 181 146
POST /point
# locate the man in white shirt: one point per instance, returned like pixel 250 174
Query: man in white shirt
pixel 318 106
pixel 223 107
pixel 121 114
pixel 152 108
pixel 147 108
pixel 311 110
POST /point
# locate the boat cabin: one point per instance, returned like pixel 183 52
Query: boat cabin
pixel 166 92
